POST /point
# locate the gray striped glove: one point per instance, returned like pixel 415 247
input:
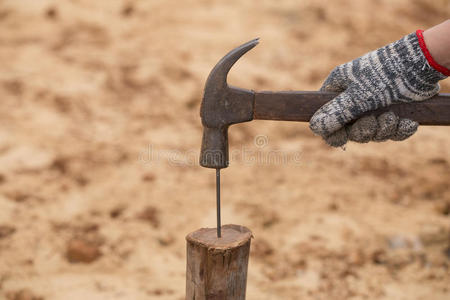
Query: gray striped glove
pixel 398 72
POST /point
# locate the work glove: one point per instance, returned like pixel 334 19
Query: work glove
pixel 398 72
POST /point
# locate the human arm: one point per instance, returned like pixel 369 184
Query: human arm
pixel 437 39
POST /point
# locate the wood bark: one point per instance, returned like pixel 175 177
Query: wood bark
pixel 217 267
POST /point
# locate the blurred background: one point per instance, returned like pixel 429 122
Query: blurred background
pixel 100 132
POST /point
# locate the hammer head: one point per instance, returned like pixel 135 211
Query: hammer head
pixel 222 106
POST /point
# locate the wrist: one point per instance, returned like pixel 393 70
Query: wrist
pixel 414 77
pixel 435 44
pixel 415 57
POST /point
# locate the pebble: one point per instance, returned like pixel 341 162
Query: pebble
pixel 79 250
pixel 24 294
pixel 6 230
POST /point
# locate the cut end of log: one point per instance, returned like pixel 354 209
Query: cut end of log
pixel 232 236
pixel 217 267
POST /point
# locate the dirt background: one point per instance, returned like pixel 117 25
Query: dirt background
pixel 100 132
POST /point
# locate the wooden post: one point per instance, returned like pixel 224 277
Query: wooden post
pixel 217 268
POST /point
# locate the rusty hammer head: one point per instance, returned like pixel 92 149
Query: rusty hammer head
pixel 222 106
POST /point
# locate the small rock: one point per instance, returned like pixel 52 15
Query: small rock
pixel 116 211
pixel 333 206
pixel 15 87
pixel 18 159
pixel 89 227
pixel 356 258
pixel 397 242
pixel 399 258
pixel 395 259
pixel 261 248
pixel 160 292
pixel 81 180
pixel 379 257
pixel 18 196
pixel 269 219
pixel 6 230
pixel 51 13
pixel 433 234
pixel 405 242
pixel 438 161
pixel 2 178
pixel 127 10
pixel 447 252
pixel 149 177
pixel 166 240
pixel 24 294
pixel 79 250
pixel 443 208
pixel 151 215
pixel 60 164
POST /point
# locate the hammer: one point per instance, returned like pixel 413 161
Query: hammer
pixel 224 105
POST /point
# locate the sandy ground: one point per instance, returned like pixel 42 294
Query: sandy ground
pixel 100 132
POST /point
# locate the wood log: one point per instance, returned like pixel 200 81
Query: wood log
pixel 217 267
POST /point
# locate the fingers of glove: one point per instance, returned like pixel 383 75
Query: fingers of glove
pixel 405 129
pixel 336 81
pixel 363 130
pixel 338 138
pixel 387 126
pixel 335 114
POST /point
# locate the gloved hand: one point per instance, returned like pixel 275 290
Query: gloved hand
pixel 398 72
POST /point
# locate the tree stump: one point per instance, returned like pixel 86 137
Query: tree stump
pixel 217 267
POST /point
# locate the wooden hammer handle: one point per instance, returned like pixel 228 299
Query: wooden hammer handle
pixel 300 106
